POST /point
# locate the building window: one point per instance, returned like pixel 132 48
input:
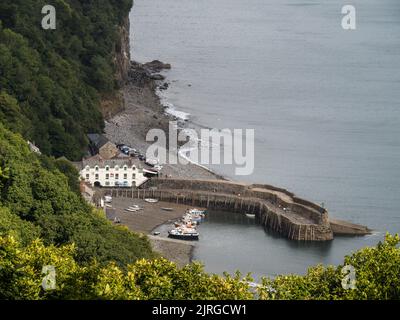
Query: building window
pixel 87 177
pixel 107 168
pixel 133 176
pixel 96 176
pixel 116 168
pixel 133 183
pixel 133 168
pixel 96 168
pixel 87 168
pixel 125 168
pixel 107 176
pixel 107 183
pixel 116 176
pixel 125 176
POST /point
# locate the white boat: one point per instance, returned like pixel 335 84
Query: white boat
pixel 185 223
pixel 167 209
pixel 250 215
pixel 150 200
pixel 196 211
pixel 107 199
pixel 132 209
pixel 195 215
pixel 183 233
pixel 193 218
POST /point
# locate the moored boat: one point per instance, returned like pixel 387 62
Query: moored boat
pixel 196 217
pixel 185 223
pixel 132 209
pixel 183 233
pixel 196 211
pixel 167 209
pixel 150 200
pixel 250 215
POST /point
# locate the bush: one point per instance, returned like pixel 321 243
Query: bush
pixel 36 199
pixel 21 277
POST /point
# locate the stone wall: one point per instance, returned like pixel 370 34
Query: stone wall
pixel 276 210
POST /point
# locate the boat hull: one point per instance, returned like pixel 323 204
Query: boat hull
pixel 184 237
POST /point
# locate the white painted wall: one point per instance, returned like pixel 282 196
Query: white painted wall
pixel 123 176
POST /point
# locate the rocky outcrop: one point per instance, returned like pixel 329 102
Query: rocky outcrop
pixel 141 75
pixel 156 66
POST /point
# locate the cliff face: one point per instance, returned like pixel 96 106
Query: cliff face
pixel 122 56
pixel 112 104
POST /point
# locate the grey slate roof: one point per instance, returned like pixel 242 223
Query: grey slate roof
pixel 120 160
pixel 98 140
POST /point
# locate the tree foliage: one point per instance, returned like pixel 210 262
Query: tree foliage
pixel 21 277
pixel 38 200
pixel 51 81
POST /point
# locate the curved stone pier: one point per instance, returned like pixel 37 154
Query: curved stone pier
pixel 277 209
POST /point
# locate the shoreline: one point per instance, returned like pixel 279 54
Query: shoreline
pixel 143 112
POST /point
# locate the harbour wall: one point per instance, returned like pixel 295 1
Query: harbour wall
pixel 277 209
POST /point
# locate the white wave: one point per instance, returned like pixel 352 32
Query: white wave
pixel 170 108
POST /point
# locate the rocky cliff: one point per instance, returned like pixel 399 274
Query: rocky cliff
pixel 112 104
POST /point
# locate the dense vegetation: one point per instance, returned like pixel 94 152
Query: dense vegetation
pixel 51 81
pixel 37 200
pixel 51 84
pixel 377 277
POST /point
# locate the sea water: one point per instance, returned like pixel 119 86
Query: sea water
pixel 324 103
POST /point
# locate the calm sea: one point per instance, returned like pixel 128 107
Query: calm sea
pixel 324 103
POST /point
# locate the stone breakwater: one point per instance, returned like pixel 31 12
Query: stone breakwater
pixel 276 209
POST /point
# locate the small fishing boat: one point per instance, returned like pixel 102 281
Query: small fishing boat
pixel 150 200
pixel 183 234
pixel 167 209
pixel 196 211
pixel 132 209
pixel 156 233
pixel 196 217
pixel 250 215
pixel 185 223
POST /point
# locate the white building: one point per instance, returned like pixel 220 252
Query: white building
pixel 120 171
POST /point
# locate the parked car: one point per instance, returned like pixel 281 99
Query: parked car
pixel 141 157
